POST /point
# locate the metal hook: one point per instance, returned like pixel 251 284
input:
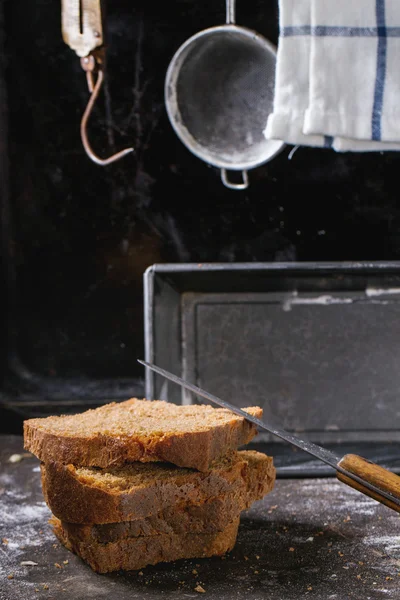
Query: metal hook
pixel 89 64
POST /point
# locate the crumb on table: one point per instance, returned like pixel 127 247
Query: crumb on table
pixel 199 589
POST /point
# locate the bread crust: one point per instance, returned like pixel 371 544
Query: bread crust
pixel 74 498
pixel 93 447
pixel 137 553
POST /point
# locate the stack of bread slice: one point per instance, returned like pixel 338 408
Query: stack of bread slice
pixel 141 482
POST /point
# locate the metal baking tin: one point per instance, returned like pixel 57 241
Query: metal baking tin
pixel 317 345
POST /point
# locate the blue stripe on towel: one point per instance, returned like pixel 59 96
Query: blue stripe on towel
pixel 328 141
pixel 290 31
pixel 338 31
pixel 380 71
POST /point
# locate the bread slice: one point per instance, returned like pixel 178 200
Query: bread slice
pixel 140 430
pixel 138 552
pixel 212 515
pixel 137 491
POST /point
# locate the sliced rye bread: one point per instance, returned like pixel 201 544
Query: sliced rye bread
pixel 138 552
pixel 137 491
pixel 211 516
pixel 140 430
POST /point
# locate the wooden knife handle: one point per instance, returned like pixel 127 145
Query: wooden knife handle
pixel 374 474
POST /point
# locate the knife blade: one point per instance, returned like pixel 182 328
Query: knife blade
pixel 356 471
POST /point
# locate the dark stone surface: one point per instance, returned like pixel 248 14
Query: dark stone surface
pixel 312 538
pixel 79 236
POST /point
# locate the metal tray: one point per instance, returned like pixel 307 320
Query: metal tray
pixel 316 345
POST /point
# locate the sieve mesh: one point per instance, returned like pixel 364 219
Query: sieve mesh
pixel 224 94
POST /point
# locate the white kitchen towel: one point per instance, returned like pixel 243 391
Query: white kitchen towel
pixel 292 76
pixel 346 96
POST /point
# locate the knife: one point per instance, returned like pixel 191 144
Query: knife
pixel 357 472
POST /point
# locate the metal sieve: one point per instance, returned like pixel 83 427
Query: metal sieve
pixel 219 91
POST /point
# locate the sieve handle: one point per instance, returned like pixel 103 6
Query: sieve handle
pixel 230 12
pixel 235 186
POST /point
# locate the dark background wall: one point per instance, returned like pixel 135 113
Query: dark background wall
pixel 77 237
